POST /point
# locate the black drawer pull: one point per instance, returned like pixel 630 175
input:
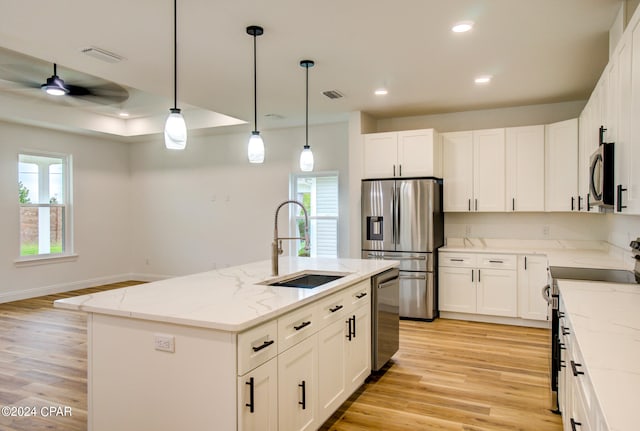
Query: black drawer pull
pixel 574 424
pixel 263 345
pixel 560 314
pixel 302 325
pixel 336 308
pixel 361 295
pixel 574 369
pixel 456 260
pixel 303 403
pixel 250 403
pixel 566 331
pixel 496 261
pixel 349 333
pixel 562 346
pixel 562 364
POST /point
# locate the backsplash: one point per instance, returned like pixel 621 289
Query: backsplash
pixel 622 229
pixel 577 226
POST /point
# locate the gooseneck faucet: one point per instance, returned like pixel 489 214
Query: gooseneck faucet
pixel 276 246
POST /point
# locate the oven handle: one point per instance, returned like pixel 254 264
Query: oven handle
pixel 545 293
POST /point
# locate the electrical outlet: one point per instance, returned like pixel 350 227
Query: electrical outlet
pixel 468 230
pixel 164 343
pixel 545 230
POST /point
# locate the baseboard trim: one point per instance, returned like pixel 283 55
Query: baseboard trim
pixel 516 321
pixel 34 292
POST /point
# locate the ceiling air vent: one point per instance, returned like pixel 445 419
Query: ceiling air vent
pixel 102 54
pixel 333 94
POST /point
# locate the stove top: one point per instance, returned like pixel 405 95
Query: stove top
pixel 594 274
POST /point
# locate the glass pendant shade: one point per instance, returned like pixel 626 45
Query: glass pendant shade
pixel 306 159
pixel 255 150
pixel 175 131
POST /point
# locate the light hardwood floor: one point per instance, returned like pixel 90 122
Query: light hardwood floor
pixel 448 375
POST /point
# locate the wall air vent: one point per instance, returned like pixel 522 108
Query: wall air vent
pixel 102 54
pixel 333 94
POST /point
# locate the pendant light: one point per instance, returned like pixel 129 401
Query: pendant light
pixel 306 157
pixel 255 150
pixel 175 129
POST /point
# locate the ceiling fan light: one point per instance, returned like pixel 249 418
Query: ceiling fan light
pixel 255 149
pixel 175 131
pixel 306 159
pixel 55 87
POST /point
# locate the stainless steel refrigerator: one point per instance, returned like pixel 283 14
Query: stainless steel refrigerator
pixel 402 219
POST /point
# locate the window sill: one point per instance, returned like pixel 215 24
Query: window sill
pixel 44 259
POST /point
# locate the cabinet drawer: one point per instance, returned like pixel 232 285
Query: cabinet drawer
pixel 359 294
pixel 256 346
pixel 332 309
pixel 296 326
pixel 460 260
pixel 497 261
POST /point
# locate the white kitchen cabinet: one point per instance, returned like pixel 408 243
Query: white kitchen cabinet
pixel 298 386
pixel 561 176
pixel 631 197
pixel 525 168
pixel 332 360
pixel 258 398
pixel 478 283
pixel 532 277
pixel 411 153
pixel 358 365
pixel 474 170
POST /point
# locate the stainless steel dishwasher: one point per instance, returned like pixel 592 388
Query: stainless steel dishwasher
pixel 385 317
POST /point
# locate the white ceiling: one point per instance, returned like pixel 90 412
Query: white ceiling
pixel 538 51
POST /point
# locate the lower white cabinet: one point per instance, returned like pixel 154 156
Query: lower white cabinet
pixel 258 398
pixel 532 278
pixel 478 283
pixel 358 364
pixel 332 371
pixel 298 386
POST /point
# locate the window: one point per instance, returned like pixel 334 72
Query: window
pixel 43 193
pixel 319 195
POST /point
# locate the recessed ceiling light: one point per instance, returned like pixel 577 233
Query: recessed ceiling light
pixel 462 27
pixel 381 92
pixel 124 114
pixel 483 79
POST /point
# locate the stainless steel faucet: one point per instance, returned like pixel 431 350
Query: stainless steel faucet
pixel 276 246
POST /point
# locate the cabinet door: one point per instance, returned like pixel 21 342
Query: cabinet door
pixel 561 166
pixel 332 359
pixel 457 289
pixel 489 170
pixel 297 386
pixel 457 150
pixel 525 168
pixel 532 277
pixel 359 347
pixel 380 155
pixel 633 150
pixel 258 398
pixel 418 154
pixel 497 292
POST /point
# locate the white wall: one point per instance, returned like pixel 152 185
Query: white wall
pixel 207 207
pixel 622 229
pixel 101 213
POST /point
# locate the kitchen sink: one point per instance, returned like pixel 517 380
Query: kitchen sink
pixel 306 280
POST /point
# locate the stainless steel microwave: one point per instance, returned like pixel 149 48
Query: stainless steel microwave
pixel 601 179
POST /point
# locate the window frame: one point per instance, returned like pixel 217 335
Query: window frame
pixel 68 252
pixel 293 211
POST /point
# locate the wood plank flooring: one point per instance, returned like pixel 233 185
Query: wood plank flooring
pixel 448 375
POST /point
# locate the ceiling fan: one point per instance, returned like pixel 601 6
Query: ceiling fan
pixel 87 88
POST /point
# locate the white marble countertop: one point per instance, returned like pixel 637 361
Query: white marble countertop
pixel 605 319
pixel 571 253
pixel 227 299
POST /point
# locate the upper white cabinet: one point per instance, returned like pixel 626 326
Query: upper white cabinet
pixel 525 168
pixel 412 153
pixel 474 170
pixel 630 178
pixel 561 153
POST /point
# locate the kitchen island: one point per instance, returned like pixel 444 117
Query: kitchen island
pixel 222 350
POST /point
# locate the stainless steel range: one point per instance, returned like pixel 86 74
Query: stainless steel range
pixel 552 294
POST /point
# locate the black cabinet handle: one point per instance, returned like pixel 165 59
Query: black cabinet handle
pixel 525 263
pixel 361 295
pixel 574 424
pixel 496 261
pixel 562 346
pixel 469 201
pixel 456 260
pixel 303 403
pixel 574 369
pixel 354 325
pixel 619 206
pixel 566 331
pixel 589 202
pixel 348 321
pixel 263 345
pixel 250 403
pixel 400 169
pixel 478 276
pixel 572 202
pixel 560 314
pixel 476 204
pixel 394 170
pixel 472 275
pixel 336 308
pixel 579 203
pixel 562 364
pixel 513 204
pixel 302 325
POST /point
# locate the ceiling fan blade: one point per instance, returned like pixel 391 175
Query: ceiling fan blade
pixel 106 94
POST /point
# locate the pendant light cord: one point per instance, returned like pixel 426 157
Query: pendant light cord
pixel 255 86
pixel 306 140
pixel 175 54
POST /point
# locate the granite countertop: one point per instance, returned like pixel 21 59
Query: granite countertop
pixel 571 253
pixel 606 323
pixel 229 299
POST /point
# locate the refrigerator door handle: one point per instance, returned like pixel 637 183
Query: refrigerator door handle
pixel 413 277
pixel 397 217
pixel 393 214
